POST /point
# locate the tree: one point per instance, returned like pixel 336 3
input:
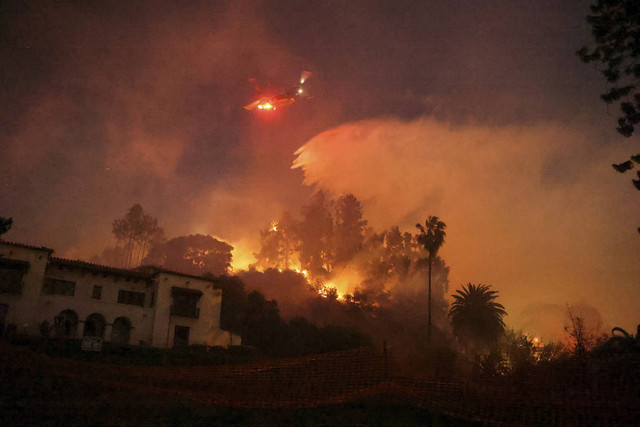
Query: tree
pixel 5 225
pixel 234 302
pixel 396 255
pixel 476 317
pixel 520 350
pixel 289 240
pixel 622 342
pixel 195 254
pixel 431 237
pixel 261 323
pixel 279 244
pixel 288 287
pixel 270 241
pixel 137 231
pixel 582 329
pixel 615 27
pixel 316 233
pixel 349 228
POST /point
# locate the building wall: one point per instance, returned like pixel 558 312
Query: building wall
pixel 205 329
pixel 22 308
pixel 84 305
pixel 152 323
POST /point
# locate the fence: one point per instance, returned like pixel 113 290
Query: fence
pixel 320 380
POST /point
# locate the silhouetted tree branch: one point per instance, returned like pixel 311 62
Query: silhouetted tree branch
pixel 615 27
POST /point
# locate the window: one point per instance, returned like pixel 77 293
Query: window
pixel 66 324
pixel 121 331
pixel 97 292
pixel 131 297
pixel 11 273
pixel 185 302
pixel 181 336
pixel 94 326
pixel 58 287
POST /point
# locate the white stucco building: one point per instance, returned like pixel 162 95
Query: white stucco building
pixel 146 306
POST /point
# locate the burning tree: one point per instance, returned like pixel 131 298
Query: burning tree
pixel 279 244
pixel 316 235
pixel 349 228
pixel 341 253
pixel 357 278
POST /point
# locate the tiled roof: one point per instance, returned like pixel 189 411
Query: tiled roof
pixel 83 265
pixel 158 270
pixel 22 245
pixel 145 272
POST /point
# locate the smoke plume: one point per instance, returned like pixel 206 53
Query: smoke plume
pixel 534 211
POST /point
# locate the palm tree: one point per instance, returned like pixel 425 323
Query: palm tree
pixel 475 316
pixel 431 237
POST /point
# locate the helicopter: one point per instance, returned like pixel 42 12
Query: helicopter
pixel 270 103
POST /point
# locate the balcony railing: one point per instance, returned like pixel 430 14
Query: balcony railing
pixel 185 311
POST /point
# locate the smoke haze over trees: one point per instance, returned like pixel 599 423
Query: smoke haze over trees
pixel 258 320
pixel 345 273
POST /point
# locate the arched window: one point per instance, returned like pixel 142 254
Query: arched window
pixel 94 326
pixel 66 324
pixel 121 331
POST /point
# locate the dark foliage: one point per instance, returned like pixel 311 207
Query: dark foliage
pixel 476 317
pixel 615 27
pixel 234 303
pixel 194 254
pixel 288 287
pixel 620 343
pixel 261 323
pixel 261 326
pixel 121 354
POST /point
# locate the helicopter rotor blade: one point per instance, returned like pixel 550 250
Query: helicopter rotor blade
pixel 252 105
pixel 304 76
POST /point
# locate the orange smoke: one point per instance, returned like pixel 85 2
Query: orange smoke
pixel 522 213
